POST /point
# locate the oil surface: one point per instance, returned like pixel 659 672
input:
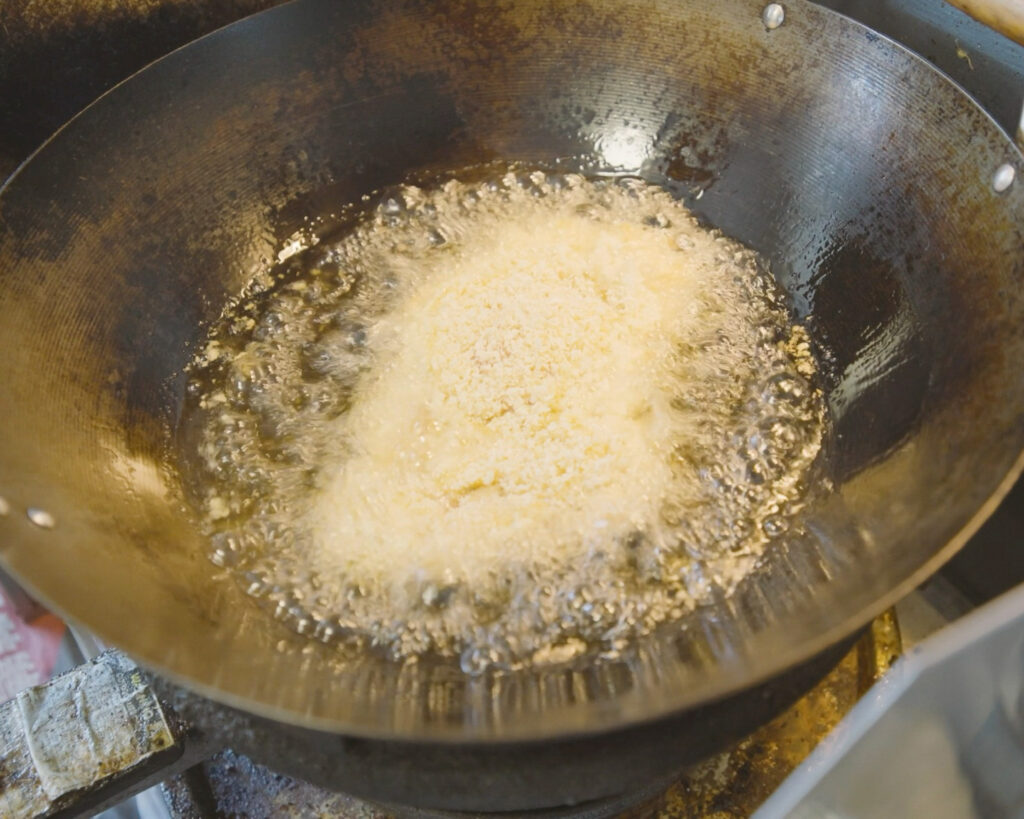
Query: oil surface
pixel 512 421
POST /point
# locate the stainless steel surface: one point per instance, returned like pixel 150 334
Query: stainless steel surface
pixel 862 174
pixel 942 737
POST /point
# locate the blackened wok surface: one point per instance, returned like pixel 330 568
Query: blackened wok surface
pixel 860 173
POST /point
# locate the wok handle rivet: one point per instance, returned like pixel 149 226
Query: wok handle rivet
pixel 773 15
pixel 1003 177
pixel 40 517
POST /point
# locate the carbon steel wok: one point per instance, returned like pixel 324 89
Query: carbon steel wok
pixel 861 173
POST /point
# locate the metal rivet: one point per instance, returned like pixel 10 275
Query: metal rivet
pixel 40 517
pixel 1003 177
pixel 773 15
pixel 5 507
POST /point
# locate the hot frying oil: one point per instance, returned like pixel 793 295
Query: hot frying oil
pixel 511 421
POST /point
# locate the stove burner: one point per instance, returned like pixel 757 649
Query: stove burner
pixel 232 785
pixel 733 783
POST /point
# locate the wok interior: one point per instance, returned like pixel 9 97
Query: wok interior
pixel 859 173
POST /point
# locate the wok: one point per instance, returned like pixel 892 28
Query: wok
pixel 864 176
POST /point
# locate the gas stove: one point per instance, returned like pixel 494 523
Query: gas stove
pixel 56 58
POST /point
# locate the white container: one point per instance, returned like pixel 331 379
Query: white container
pixel 940 736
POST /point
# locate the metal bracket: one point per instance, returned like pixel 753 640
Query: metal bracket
pixel 86 740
